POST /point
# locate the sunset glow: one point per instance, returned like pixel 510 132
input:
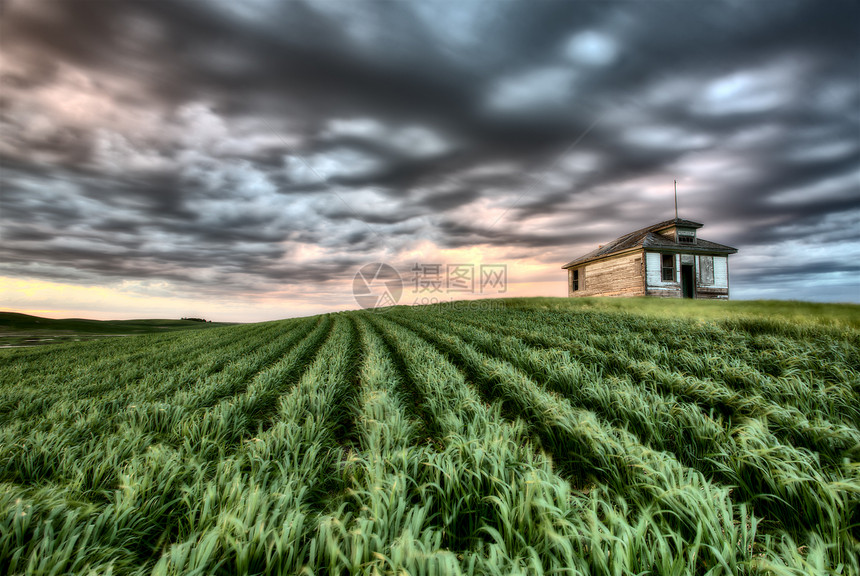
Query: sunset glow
pixel 242 163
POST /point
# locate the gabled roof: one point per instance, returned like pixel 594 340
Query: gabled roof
pixel 649 238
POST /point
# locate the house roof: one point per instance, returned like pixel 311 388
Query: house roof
pixel 649 238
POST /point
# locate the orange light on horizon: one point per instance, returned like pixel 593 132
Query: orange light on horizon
pixel 136 300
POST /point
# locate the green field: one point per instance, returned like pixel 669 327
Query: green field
pixel 532 436
pixel 25 330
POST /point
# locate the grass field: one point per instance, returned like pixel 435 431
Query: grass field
pixel 531 436
pixel 25 330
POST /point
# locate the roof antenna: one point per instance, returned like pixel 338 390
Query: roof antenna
pixel 676 199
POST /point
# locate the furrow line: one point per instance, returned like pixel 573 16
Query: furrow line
pixel 787 475
pixel 833 442
pixel 584 446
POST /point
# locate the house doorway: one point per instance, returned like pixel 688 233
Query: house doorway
pixel 688 288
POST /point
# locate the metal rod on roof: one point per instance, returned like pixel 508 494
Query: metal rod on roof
pixel 676 199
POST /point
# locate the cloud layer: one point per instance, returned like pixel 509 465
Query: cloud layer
pixel 250 149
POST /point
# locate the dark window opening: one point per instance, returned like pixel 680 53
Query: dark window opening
pixel 574 282
pixel 685 239
pixel 668 268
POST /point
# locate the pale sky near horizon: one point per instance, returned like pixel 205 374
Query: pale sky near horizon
pixel 242 161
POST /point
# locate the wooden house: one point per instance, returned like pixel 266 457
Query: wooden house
pixel 667 260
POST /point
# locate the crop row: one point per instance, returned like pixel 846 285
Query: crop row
pixel 788 479
pixel 428 441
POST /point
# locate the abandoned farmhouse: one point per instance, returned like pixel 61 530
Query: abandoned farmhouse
pixel 667 259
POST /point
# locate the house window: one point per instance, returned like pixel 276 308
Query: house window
pixel 574 281
pixel 686 236
pixel 668 268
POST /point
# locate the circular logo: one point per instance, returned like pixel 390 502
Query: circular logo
pixel 377 285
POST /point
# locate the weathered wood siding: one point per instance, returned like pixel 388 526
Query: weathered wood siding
pixel 618 276
pixel 721 272
pixel 711 293
pixel 705 270
pixel 718 286
pixel 654 270
pixel 664 292
pixel 713 271
pixel 668 233
pixel 656 286
pixel 639 270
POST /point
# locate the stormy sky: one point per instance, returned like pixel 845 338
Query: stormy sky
pixel 242 160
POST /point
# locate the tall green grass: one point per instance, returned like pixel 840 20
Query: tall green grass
pixel 546 436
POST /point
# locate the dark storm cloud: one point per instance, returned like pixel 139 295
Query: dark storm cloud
pixel 781 273
pixel 195 141
pixel 444 201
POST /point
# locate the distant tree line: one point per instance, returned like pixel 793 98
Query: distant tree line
pixel 197 320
